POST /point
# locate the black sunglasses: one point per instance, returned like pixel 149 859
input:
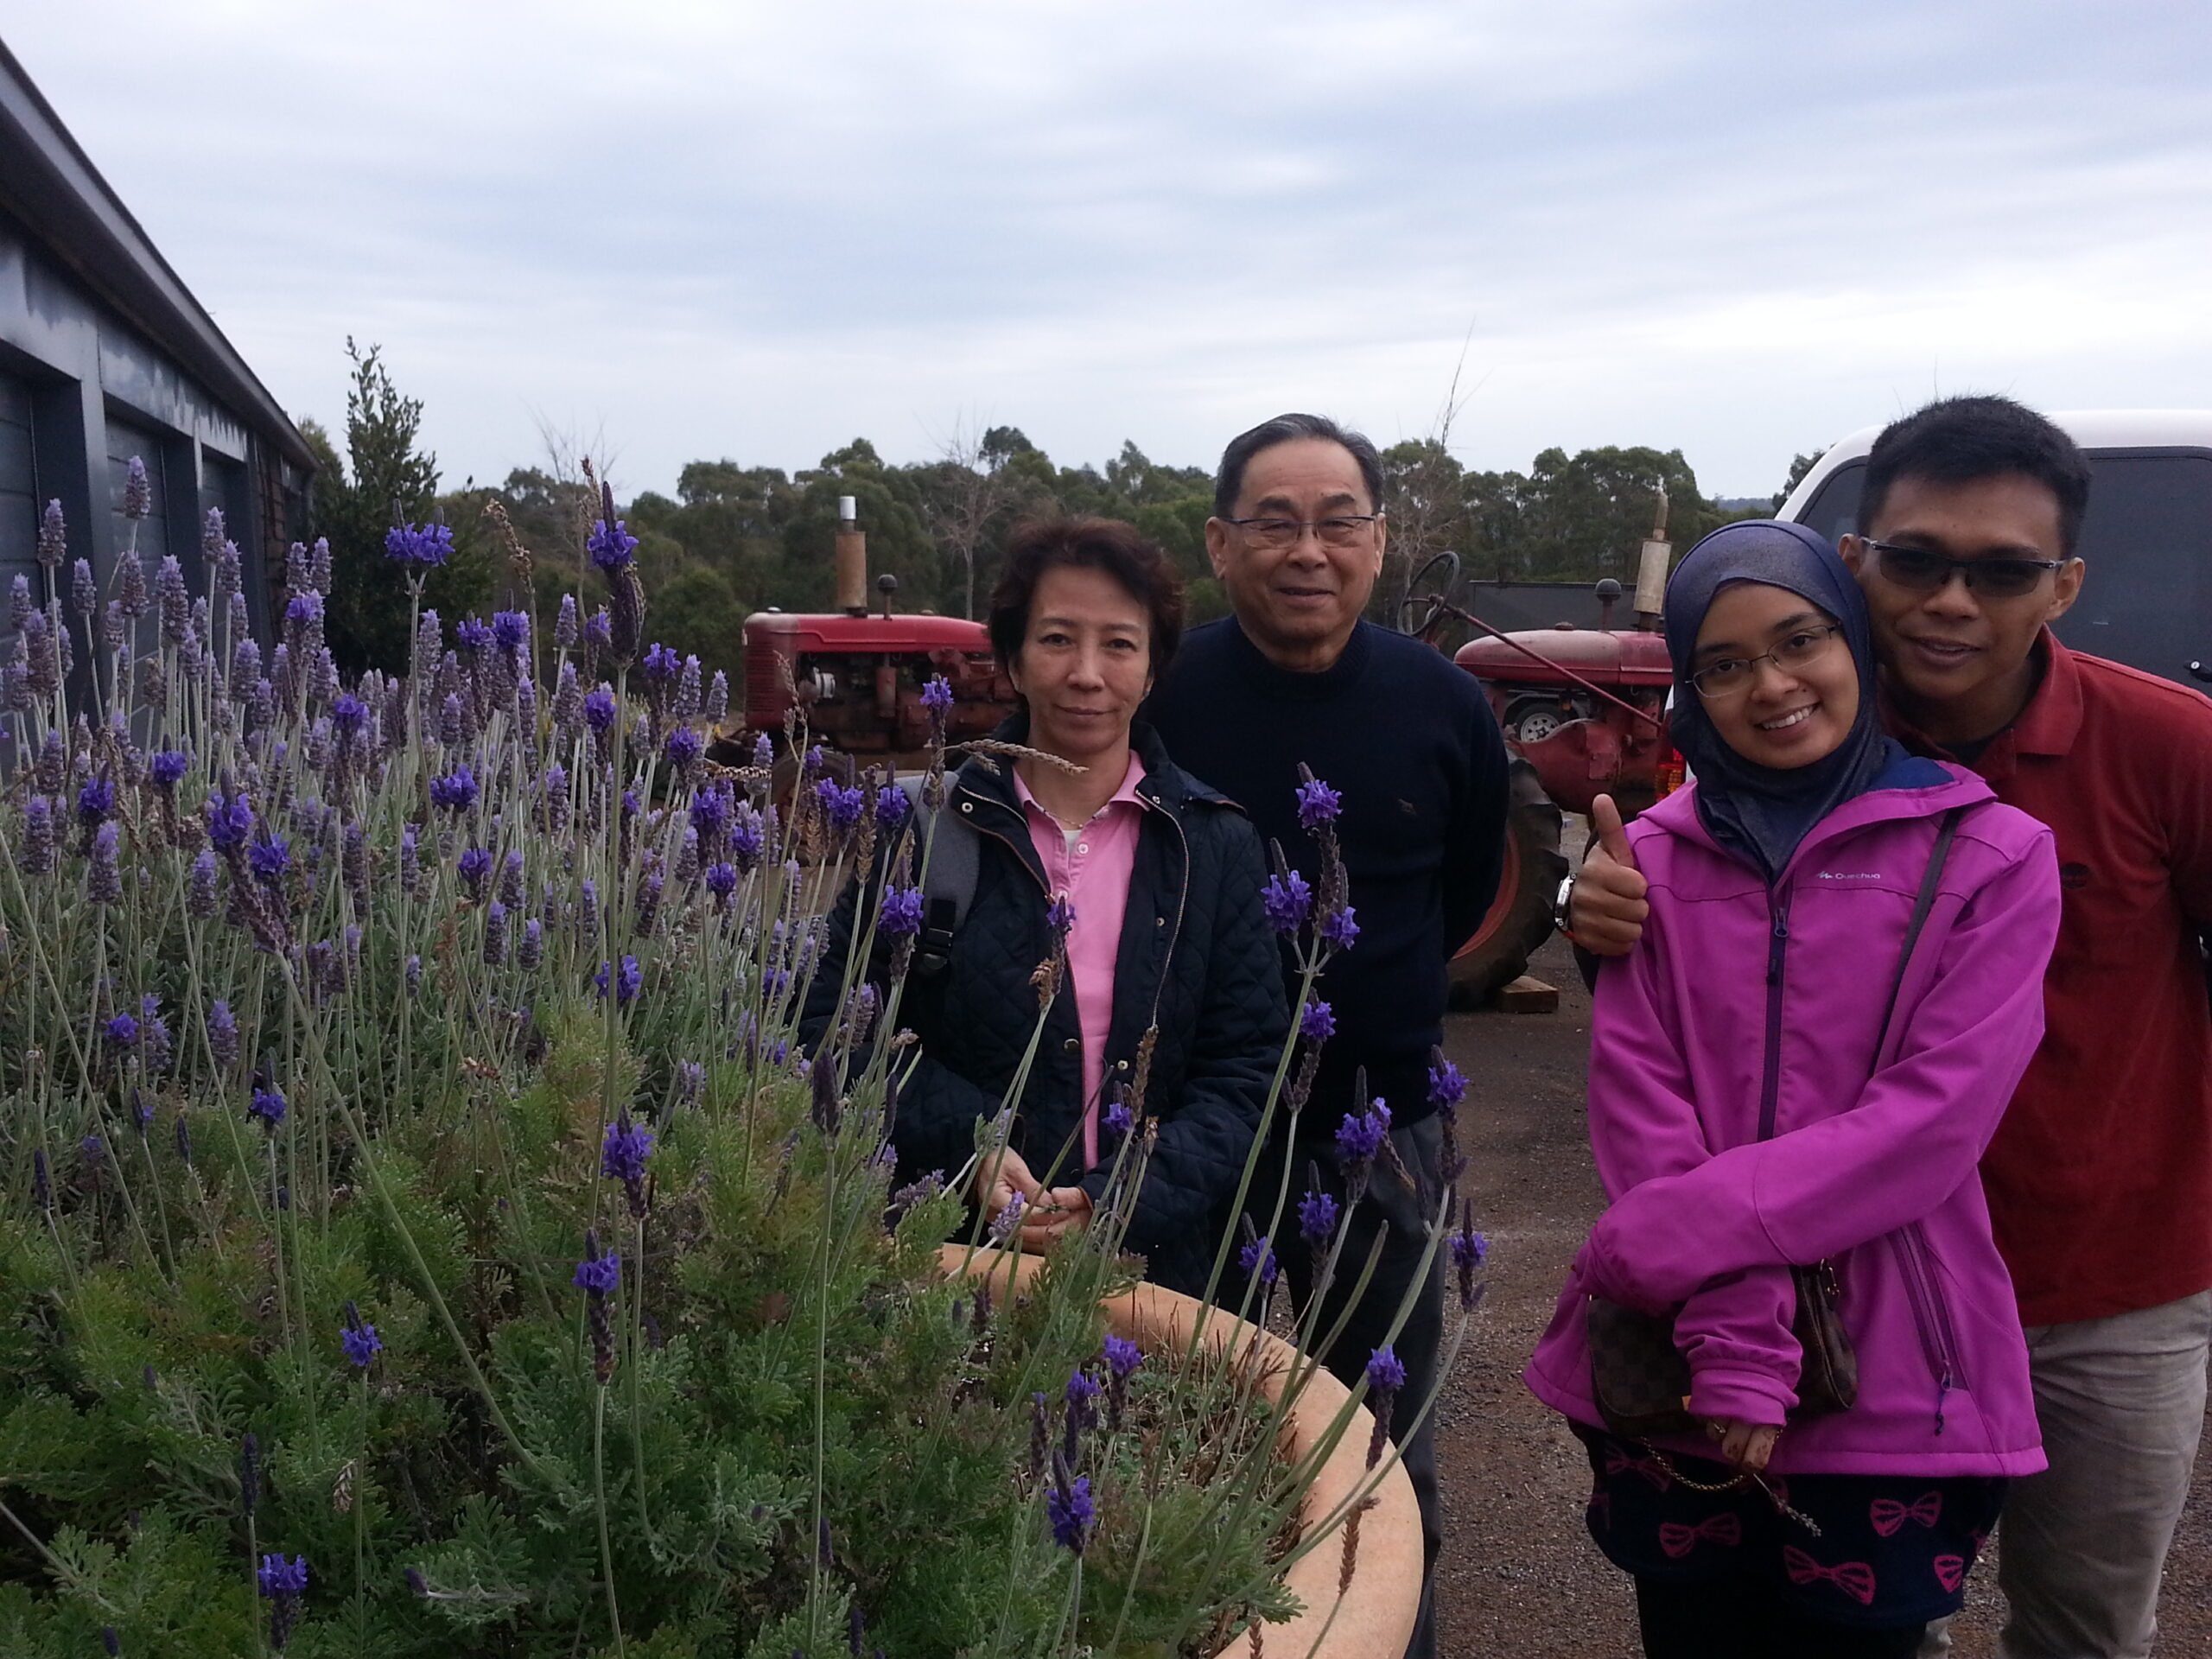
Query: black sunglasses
pixel 1925 572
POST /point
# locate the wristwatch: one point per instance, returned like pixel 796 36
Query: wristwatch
pixel 1563 906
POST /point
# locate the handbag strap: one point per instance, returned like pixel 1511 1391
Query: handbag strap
pixel 1936 857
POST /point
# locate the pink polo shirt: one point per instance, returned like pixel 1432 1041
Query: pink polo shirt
pixel 1091 867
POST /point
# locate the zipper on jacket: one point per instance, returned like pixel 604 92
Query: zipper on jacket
pixel 1770 1082
pixel 1938 1340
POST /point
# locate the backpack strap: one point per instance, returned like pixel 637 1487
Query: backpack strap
pixel 1937 857
pixel 949 884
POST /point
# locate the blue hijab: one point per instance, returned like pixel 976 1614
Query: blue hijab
pixel 1763 812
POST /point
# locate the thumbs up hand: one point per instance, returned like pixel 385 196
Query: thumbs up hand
pixel 1608 909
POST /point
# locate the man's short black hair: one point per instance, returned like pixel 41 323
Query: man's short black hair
pixel 1959 440
pixel 1229 482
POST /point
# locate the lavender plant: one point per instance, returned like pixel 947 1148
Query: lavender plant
pixel 420 1232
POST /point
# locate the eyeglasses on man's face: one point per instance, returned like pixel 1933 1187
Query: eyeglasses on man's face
pixel 1926 572
pixel 1338 530
pixel 1733 675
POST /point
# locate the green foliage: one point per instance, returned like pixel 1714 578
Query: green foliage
pixel 382 478
pixel 780 1411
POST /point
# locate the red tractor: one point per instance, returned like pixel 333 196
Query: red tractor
pixel 858 676
pixel 1583 711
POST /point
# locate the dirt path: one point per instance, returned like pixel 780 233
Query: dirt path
pixel 1520 1577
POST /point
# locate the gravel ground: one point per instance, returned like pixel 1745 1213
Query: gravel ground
pixel 1519 1576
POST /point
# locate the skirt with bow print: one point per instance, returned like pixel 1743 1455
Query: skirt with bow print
pixel 1890 1550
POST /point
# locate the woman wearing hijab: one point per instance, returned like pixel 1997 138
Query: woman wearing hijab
pixel 1776 1082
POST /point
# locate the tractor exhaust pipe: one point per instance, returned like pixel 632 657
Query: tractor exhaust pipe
pixel 852 560
pixel 1651 571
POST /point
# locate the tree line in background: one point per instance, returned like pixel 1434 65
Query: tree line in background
pixel 736 539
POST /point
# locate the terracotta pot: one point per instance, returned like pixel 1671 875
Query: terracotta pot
pixel 1375 1616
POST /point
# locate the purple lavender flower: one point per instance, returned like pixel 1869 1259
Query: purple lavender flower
pixel 1339 928
pixel 268 1105
pixel 1117 1122
pixel 611 546
pixel 764 751
pixel 96 802
pixel 936 694
pixel 53 537
pixel 599 629
pixel 418 548
pixel 683 748
pixel 20 604
pixel 1060 915
pixel 1258 1261
pixel 223 1034
pixel 1287 900
pixel 457 790
pixel 495 934
pixel 721 880
pixel 510 629
pixel 37 855
pixel 167 768
pixel 890 809
pixel 1068 1506
pixel 269 857
pixel 843 806
pixel 747 839
pixel 1122 1356
pixel 103 876
pixel 599 707
pixel 1317 1023
pixel 623 1152
pixel 123 1031
pixel 713 810
pixel 473 634
pixel 564 624
pixel 690 1079
pixel 282 1585
pixel 1447 1085
pixel 84 590
pixel 531 950
pixel 1360 1139
pixel 1386 1373
pixel 137 490
pixel 229 823
pixel 153 1033
pixel 1317 1217
pixel 602 1274
pixel 1008 1221
pixel 475 868
pixel 512 893
pixel 901 916
pixel 661 663
pixel 359 1338
pixel 1317 805
pixel 304 610
pixel 626 982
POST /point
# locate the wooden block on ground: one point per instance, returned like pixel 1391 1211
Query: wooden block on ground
pixel 1526 996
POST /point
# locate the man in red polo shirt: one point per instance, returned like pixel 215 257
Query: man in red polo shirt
pixel 2100 1179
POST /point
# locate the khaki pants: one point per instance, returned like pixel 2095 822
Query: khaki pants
pixel 2081 1545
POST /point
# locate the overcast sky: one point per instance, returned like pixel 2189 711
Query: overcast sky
pixel 683 231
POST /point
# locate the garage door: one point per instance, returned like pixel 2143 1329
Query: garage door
pixel 124 439
pixel 18 488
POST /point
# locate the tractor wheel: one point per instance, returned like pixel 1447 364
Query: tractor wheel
pixel 1519 918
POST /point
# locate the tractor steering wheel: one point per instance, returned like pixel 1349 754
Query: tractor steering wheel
pixel 1428 592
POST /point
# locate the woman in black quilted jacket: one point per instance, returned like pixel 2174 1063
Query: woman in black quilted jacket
pixel 1154 878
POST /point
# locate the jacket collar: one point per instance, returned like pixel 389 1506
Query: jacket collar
pixel 2047 726
pixel 1164 785
pixel 1677 814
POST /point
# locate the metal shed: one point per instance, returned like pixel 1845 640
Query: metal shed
pixel 105 354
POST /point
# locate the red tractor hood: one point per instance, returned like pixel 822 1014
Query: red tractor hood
pixel 1617 658
pixel 797 633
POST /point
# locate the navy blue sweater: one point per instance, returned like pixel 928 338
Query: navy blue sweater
pixel 1408 740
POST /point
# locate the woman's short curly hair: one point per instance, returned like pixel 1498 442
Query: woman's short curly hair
pixel 1124 553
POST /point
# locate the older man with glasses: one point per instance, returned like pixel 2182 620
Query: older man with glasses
pixel 1408 742
pixel 2100 1179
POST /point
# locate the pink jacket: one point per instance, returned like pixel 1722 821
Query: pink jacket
pixel 1739 999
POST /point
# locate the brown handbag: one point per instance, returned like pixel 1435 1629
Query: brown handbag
pixel 1640 1379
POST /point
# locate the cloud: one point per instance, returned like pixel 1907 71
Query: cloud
pixel 753 231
